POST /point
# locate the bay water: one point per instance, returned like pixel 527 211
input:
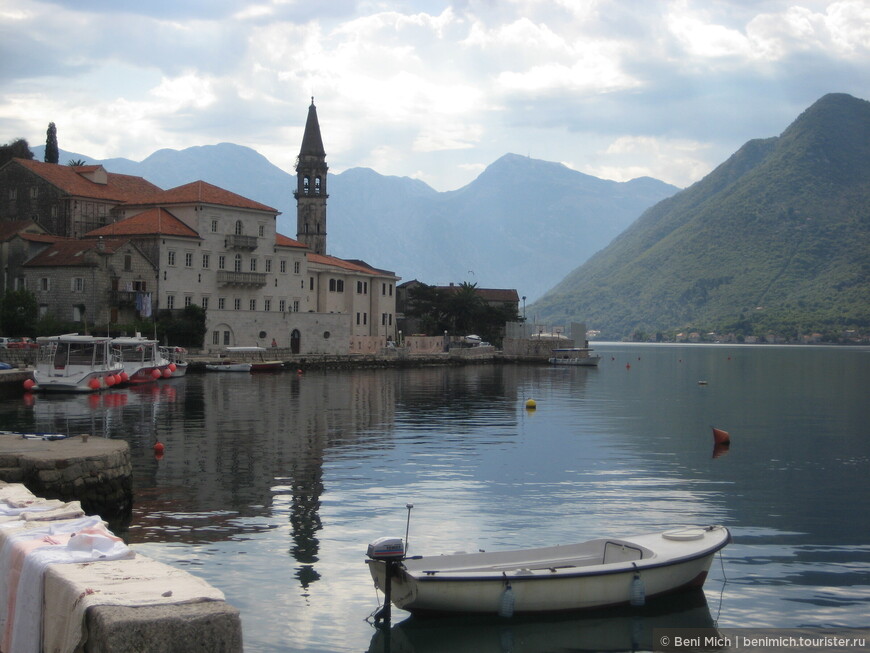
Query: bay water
pixel 272 485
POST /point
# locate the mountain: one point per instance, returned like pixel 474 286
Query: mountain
pixel 776 238
pixel 523 223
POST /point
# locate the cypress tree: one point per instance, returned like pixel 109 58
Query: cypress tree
pixel 51 153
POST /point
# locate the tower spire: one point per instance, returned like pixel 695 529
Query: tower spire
pixel 310 190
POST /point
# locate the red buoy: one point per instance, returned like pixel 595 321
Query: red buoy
pixel 720 436
pixel 94 384
pixel 28 384
pixel 159 448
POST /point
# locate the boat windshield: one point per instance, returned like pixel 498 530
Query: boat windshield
pixel 74 353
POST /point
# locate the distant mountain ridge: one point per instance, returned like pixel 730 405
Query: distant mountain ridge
pixel 776 238
pixel 523 223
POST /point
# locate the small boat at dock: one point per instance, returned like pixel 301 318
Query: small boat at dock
pixel 75 363
pixel 246 359
pixel 581 356
pixel 142 359
pixel 600 573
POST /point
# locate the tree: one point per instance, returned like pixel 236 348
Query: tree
pixel 51 152
pixel 76 163
pixel 18 313
pixel 185 328
pixel 17 149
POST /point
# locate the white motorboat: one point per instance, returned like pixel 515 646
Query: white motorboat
pixel 75 363
pixel 176 356
pixel 599 573
pixel 142 359
pixel 229 366
pixel 574 356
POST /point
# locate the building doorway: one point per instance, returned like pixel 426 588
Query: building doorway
pixel 295 341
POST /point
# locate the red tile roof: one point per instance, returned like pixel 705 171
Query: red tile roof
pixel 69 179
pixel 200 192
pixel 284 241
pixel 72 252
pixel 153 221
pixel 10 228
pixel 487 294
pixel 352 266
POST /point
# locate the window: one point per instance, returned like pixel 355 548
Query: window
pixel 188 259
pixel 267 304
pixel 222 303
pixel 45 284
pixel 215 337
pixel 310 283
pixel 222 262
pixel 34 192
pixel 262 231
pixel 77 313
pixel 170 257
pixel 77 284
pixel 237 304
pixel 170 302
pixel 336 285
pixel 362 287
pixel 253 264
pixel 206 260
pixel 239 230
pixel 268 265
pixel 305 183
pixel 283 266
pixel 295 305
pixel 296 267
pixel 282 306
pixel 252 305
pixel 188 300
pixel 128 263
pixel 214 228
pixel 226 337
pixel 13 193
pixel 204 303
pixel 317 185
pixel 237 263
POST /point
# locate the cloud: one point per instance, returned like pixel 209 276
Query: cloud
pixel 439 90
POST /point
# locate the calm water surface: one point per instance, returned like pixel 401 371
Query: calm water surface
pixel 272 485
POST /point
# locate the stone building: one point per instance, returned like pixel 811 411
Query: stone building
pixel 204 245
pixel 96 281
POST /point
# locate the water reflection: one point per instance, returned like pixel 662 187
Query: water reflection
pixel 628 629
pixel 271 486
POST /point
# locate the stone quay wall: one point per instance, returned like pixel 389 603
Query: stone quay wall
pixel 97 472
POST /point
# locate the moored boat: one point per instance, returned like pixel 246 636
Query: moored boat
pixel 142 359
pixel 599 573
pixel 176 356
pixel 574 356
pixel 75 363
pixel 228 366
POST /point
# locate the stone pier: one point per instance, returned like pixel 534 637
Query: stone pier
pixel 97 472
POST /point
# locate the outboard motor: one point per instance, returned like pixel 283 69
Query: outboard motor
pixel 390 551
pixel 386 548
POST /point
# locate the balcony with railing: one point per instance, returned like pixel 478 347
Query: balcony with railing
pixel 240 241
pixel 227 278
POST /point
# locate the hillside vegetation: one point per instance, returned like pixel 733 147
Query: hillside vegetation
pixel 776 239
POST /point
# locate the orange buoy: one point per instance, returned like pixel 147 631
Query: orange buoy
pixel 720 436
pixel 28 384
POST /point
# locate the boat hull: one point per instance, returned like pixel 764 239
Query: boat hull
pixel 545 584
pixel 229 367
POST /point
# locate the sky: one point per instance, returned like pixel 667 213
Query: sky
pixel 434 90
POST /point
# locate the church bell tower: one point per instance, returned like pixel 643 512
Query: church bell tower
pixel 310 190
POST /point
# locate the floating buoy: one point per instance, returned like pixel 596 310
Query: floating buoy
pixel 299 372
pixel 173 367
pixel 110 380
pixel 720 436
pixel 28 384
pixel 94 384
pixel 159 448
pixel 124 377
pixel 628 366
pixel 156 374
pixel 167 373
pixel 638 592
pixel 506 604
pixel 530 404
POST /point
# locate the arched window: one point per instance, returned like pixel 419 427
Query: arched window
pixel 238 227
pixel 237 265
pixel 317 185
pixel 305 183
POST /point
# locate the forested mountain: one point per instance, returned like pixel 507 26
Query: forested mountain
pixel 777 238
pixel 523 223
